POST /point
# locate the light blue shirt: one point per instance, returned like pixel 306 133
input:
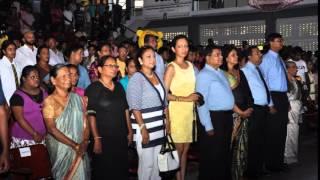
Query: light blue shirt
pixel 160 67
pixel 84 80
pixel 273 70
pixel 217 94
pixel 256 84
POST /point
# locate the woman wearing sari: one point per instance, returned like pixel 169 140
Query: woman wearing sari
pixel 295 114
pixel 242 110
pixel 64 115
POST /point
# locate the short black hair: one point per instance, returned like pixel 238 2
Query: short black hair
pixel 73 48
pixel 273 36
pixel 208 50
pixel 249 50
pixel 148 37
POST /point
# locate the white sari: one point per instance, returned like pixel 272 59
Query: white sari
pixel 295 116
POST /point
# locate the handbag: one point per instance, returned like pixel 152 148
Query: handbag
pixel 34 158
pixel 168 159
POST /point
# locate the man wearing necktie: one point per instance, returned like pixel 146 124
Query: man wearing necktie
pixel 258 119
pixel 9 71
pixel 274 73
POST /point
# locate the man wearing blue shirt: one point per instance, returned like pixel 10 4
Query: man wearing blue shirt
pixel 215 117
pixel 258 119
pixel 274 73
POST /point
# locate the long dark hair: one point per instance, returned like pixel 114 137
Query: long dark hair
pixel 226 50
pixel 26 72
pixel 174 43
pixel 53 73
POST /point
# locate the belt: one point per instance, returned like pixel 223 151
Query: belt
pixel 278 92
pixel 223 111
pixel 260 106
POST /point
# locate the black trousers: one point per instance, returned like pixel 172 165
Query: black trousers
pixel 256 139
pixel 276 127
pixel 215 153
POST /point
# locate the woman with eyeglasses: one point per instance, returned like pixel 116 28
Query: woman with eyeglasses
pixel 26 103
pixel 109 123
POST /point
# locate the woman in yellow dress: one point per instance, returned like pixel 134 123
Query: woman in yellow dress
pixel 180 83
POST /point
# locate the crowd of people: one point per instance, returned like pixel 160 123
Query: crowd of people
pixel 63 19
pixel 87 99
pixel 87 102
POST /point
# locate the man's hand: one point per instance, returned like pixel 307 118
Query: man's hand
pixel 210 132
pixel 272 110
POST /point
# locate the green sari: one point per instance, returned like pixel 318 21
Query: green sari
pixel 63 157
pixel 239 142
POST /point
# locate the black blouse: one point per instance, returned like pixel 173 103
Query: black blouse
pixel 109 109
pixel 242 93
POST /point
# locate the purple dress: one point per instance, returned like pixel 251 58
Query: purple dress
pixel 33 115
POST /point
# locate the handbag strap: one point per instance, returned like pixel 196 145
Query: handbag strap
pixel 168 140
pixel 158 93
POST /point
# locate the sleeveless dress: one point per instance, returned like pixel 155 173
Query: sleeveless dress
pixel 181 113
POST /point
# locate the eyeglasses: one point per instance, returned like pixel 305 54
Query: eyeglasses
pixel 112 66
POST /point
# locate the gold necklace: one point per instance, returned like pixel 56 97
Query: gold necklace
pixel 106 85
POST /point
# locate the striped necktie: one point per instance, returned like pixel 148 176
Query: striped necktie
pixel 15 76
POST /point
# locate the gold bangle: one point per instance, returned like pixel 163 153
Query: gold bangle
pixel 99 137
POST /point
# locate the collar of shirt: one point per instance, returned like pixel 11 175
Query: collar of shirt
pixel 273 53
pixel 210 68
pixel 28 48
pixel 7 61
pixel 52 51
pixel 251 65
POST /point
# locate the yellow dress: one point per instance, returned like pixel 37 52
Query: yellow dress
pixel 181 113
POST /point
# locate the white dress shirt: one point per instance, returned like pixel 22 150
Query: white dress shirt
pixel 55 58
pixel 7 77
pixel 25 56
